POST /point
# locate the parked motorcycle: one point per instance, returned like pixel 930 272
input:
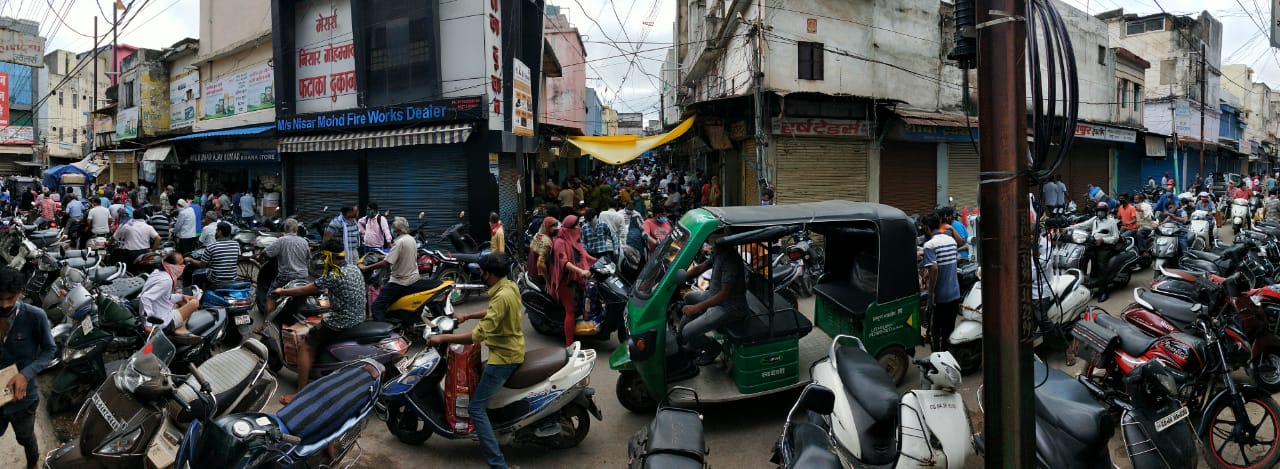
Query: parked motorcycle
pixel 544 402
pixel 673 439
pixel 236 299
pixel 873 426
pixel 1166 249
pixel 137 418
pixel 372 340
pixel 103 330
pixel 604 304
pixel 319 428
pixel 1203 229
pixel 1069 296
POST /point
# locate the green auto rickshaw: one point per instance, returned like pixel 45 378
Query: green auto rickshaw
pixel 869 288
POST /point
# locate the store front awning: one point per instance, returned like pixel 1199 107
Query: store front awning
pixel 159 153
pixel 431 135
pixel 619 149
pixel 239 131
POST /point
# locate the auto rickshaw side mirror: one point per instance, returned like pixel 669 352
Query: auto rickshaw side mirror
pixel 682 276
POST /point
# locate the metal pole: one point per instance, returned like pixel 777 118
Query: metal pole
pixel 761 119
pixel 115 56
pixel 1203 75
pixel 93 134
pixel 1002 128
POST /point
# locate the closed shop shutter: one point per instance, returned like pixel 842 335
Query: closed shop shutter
pixel 326 179
pixel 962 174
pixel 508 198
pixel 1129 177
pixel 817 169
pixel 1156 169
pixel 8 166
pixel 909 176
pixel 424 178
pixel 1087 164
pixel 750 174
pixel 122 172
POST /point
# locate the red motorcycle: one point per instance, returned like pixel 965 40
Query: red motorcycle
pixel 1239 423
pixel 1251 335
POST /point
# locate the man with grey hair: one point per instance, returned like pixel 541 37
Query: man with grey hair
pixel 403 261
pixel 291 253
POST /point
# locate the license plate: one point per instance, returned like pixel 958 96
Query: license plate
pixel 403 365
pixel 86 326
pixel 1168 421
pixel 448 308
pixel 243 319
pixel 616 283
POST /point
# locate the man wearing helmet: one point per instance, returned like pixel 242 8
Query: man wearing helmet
pixel 1106 232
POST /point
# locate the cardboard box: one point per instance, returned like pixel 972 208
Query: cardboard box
pixel 6 394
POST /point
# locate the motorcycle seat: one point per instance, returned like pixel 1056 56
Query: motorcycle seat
pixel 326 405
pixel 128 287
pixel 812 445
pixel 1067 405
pixel 466 258
pixel 227 373
pixel 868 385
pixel 29 228
pixel 80 263
pixel 538 365
pixel 44 238
pixel 205 322
pixel 365 332
pixel 102 274
pixel 1180 312
pixel 1132 341
pixel 677 432
pixel 71 253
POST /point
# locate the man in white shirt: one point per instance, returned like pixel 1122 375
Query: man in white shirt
pixel 247 203
pixel 616 222
pixel 185 226
pixel 161 299
pixel 136 238
pixel 99 218
pixel 403 260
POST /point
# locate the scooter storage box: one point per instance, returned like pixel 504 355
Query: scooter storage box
pixel 1094 341
pixel 765 365
pixel 461 381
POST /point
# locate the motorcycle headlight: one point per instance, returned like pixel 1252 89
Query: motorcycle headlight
pixel 1079 237
pixel 72 354
pixel 121 443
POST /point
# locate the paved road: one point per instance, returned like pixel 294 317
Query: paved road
pixel 739 434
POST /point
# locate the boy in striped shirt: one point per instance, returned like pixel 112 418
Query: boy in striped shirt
pixel 940 264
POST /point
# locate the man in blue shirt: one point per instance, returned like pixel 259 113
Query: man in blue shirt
pixel 26 343
pixel 944 286
pixel 1166 197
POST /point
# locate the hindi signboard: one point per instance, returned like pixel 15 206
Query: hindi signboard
pixel 326 67
pixel 21 48
pixel 522 88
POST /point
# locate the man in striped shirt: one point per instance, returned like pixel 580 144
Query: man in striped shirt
pixel 220 257
pixel 944 300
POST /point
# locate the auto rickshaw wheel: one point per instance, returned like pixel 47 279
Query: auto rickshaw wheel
pixel 632 393
pixel 895 361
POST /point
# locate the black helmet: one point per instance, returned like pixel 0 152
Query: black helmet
pixel 493 262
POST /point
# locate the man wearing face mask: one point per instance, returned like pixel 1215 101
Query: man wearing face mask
pixel 1106 232
pixel 1128 215
pixel 656 229
pixel 25 342
pixel 499 330
pixel 161 298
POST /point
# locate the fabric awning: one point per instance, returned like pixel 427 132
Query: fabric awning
pixel 236 132
pixel 440 134
pixel 619 149
pixel 159 153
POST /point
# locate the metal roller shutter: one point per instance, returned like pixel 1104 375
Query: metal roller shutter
pixel 962 174
pixel 508 180
pixel 909 176
pixel 425 178
pixel 817 169
pixel 750 174
pixel 1129 178
pixel 328 179
pixel 1156 169
pixel 9 166
pixel 1087 164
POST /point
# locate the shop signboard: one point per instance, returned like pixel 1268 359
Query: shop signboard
pixel 821 127
pixel 1102 132
pixel 244 91
pixel 453 109
pixel 521 87
pixel 184 91
pixel 326 67
pixel 17 135
pixel 493 60
pixel 4 98
pixel 127 123
pixel 236 157
pixel 21 48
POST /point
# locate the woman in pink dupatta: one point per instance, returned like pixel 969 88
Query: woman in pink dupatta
pixel 569 268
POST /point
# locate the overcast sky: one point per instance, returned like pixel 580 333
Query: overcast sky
pixel 625 53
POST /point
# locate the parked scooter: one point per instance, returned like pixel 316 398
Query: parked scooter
pixel 1166 249
pixel 318 429
pixel 237 299
pixel 673 439
pixel 103 330
pixel 604 305
pixel 873 426
pixel 544 402
pixel 137 418
pixel 806 442
pixel 1240 217
pixel 1203 228
pixel 373 340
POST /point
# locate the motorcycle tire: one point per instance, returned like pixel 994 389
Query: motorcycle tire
pixel 968 355
pixel 546 325
pixel 1221 414
pixel 406 426
pixel 1265 373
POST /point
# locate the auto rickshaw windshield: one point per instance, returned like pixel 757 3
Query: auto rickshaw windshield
pixel 651 276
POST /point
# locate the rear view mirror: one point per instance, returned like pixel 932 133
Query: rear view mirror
pixel 818 398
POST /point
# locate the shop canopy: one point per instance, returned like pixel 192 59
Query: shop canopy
pixel 619 149
pixel 53 176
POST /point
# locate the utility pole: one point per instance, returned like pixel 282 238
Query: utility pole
pixel 1204 75
pixel 93 133
pixel 762 118
pixel 1002 127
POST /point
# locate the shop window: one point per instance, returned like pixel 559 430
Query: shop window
pixel 795 106
pixel 402 63
pixel 59 98
pixel 810 60
pixel 1137 97
pixel 75 101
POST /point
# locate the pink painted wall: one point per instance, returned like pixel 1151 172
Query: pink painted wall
pixel 564 103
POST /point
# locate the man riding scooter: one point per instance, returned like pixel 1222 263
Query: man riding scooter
pixel 1105 231
pixel 403 260
pixel 1128 215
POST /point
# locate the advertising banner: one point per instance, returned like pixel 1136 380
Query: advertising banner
pixel 21 49
pixel 326 68
pixel 184 91
pixel 127 123
pixel 248 90
pixel 521 87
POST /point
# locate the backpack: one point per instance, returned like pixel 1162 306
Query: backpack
pixel 635 234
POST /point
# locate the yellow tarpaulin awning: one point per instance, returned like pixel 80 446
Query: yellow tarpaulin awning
pixel 619 149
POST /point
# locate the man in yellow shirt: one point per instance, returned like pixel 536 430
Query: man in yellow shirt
pixel 499 329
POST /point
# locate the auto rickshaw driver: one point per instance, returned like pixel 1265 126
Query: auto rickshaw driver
pixel 724 302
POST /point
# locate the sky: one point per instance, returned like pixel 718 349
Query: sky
pixel 626 41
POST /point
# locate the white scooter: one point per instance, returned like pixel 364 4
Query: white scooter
pixel 872 426
pixel 1239 214
pixel 1070 296
pixel 1203 227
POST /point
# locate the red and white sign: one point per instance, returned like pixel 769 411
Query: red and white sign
pixel 820 127
pixel 4 99
pixel 1110 134
pixel 15 135
pixel 493 52
pixel 326 68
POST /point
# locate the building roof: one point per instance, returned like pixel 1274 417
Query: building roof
pixel 1132 57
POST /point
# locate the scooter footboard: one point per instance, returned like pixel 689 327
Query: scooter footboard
pixel 929 417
